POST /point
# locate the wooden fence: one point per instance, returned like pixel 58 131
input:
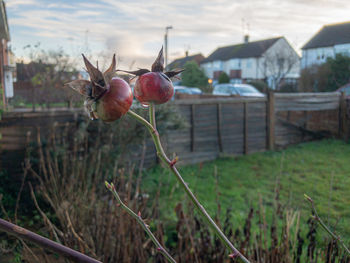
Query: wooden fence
pixel 230 126
pixel 237 126
pixel 216 126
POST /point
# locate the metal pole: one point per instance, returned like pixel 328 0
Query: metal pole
pixel 166 45
pixel 166 48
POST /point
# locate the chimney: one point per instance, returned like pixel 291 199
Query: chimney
pixel 186 53
pixel 246 39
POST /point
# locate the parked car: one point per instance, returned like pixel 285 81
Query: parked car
pixel 346 89
pixel 244 90
pixel 196 91
pixel 182 90
pixel 186 90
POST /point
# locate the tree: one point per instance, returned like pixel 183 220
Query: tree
pixel 47 73
pixel 328 76
pixel 277 64
pixel 224 78
pixel 339 71
pixel 193 76
pixel 314 78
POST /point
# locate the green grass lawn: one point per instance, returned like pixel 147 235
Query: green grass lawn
pixel 319 169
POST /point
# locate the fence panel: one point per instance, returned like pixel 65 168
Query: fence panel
pixel 214 126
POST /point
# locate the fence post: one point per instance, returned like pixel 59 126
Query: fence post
pixel 342 116
pixel 270 120
pixel 219 122
pixel 245 127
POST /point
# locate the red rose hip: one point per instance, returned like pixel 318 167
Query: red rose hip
pixel 106 97
pixel 115 102
pixel 153 87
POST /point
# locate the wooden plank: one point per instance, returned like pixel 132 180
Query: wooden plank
pixel 342 117
pixel 306 101
pixel 271 120
pixel 307 94
pixel 245 129
pixel 192 127
pixel 219 121
pixel 305 105
pixel 218 100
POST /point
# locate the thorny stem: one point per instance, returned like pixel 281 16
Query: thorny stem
pixel 171 164
pixel 323 225
pixel 139 219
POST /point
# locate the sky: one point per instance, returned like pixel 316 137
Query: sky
pixel 134 29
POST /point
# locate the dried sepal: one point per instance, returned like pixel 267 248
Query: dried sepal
pixel 89 108
pixel 96 76
pixel 84 87
pixel 137 73
pixel 97 91
pixel 173 73
pixel 158 65
pixel 97 79
pixel 110 72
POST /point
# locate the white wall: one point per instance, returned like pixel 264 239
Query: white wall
pixel 8 84
pixel 253 68
pixel 283 49
pixel 316 56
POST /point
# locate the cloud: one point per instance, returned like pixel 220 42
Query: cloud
pixel 17 3
pixel 135 29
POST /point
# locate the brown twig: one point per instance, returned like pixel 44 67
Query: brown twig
pixel 41 241
pixel 323 225
pixel 46 219
pixel 138 218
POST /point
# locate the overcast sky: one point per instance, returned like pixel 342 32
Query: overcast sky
pixel 135 29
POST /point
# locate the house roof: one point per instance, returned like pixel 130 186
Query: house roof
pixel 4 28
pixel 244 50
pixel 180 62
pixel 329 36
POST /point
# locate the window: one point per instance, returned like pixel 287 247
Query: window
pixel 217 74
pixel 249 63
pixel 347 91
pixel 235 74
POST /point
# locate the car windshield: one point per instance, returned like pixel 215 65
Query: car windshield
pixel 246 89
pixel 347 91
pixel 226 89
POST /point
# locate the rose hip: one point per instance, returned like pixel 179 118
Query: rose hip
pixel 154 86
pixel 106 97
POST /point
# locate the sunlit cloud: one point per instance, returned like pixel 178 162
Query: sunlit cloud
pixel 135 29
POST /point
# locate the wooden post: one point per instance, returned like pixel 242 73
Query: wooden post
pixel 271 120
pixel 219 121
pixel 342 116
pixel 192 127
pixel 245 127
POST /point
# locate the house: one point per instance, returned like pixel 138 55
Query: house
pixel 180 62
pixel 273 60
pixel 329 41
pixel 6 57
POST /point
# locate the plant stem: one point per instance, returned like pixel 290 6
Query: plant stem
pixel 43 242
pixel 139 219
pixel 323 225
pixel 171 165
